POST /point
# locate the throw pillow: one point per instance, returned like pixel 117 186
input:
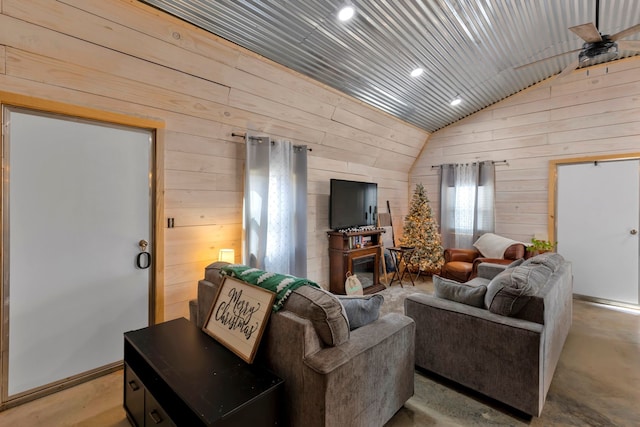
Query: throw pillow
pixel 493 246
pixel 500 281
pixel 509 300
pixel 361 310
pixel 325 312
pixel 459 292
pixel 511 290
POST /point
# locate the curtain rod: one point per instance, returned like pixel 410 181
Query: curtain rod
pixel 257 138
pixel 495 162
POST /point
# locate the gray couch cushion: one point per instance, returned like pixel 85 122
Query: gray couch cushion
pixel 551 260
pixel 511 290
pixel 325 312
pixel 361 310
pixel 460 292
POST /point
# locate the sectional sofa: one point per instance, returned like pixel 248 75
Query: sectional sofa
pixel 500 334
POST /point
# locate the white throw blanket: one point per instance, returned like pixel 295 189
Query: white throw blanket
pixel 493 246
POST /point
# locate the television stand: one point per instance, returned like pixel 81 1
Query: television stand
pixel 357 252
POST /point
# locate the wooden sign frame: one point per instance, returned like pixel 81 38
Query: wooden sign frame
pixel 238 316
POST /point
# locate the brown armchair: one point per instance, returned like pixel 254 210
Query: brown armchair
pixel 461 265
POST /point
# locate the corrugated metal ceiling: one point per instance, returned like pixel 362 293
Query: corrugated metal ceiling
pixel 468 48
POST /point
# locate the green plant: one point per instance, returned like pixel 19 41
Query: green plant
pixel 541 246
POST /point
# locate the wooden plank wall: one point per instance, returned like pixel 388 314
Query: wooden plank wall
pixel 591 112
pixel 122 56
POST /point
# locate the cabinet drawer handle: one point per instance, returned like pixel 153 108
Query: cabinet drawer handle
pixel 133 385
pixel 155 416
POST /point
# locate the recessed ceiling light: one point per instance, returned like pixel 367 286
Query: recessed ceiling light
pixel 346 13
pixel 417 72
pixel 456 101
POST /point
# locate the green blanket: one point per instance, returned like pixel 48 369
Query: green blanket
pixel 280 284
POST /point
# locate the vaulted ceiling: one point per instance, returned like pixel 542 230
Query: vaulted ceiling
pixel 478 50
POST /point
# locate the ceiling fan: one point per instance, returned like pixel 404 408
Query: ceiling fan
pixel 597 47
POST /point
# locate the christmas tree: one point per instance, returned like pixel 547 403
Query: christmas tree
pixel 421 232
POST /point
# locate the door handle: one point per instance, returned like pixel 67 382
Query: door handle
pixel 143 260
pixel 634 231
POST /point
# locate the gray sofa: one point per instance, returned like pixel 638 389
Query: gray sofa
pixel 333 376
pixel 510 358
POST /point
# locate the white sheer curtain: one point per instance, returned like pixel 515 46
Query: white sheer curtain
pixel 275 206
pixel 466 203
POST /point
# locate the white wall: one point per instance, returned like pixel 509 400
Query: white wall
pixel 125 57
pixel 591 112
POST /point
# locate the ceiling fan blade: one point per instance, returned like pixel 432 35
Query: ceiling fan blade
pixel 569 68
pixel 587 32
pixel 626 33
pixel 545 59
pixel 633 45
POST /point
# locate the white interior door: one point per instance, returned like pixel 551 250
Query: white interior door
pixel 598 215
pixel 77 200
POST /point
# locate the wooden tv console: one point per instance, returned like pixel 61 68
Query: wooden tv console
pixel 357 252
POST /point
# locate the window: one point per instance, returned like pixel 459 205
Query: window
pixel 466 203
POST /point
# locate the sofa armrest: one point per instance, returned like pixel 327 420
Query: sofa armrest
pixel 480 261
pixel 288 339
pixel 364 339
pixel 360 382
pixel 515 251
pixel 457 254
pixel 363 381
pixel 489 270
pixel 206 293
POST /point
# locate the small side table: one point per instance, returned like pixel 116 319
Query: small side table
pixel 402 259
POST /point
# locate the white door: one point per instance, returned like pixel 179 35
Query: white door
pixel 598 215
pixel 76 201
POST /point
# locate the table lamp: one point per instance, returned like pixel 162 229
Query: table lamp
pixel 227 255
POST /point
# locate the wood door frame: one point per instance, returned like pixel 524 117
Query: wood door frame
pixel 553 182
pixel 156 286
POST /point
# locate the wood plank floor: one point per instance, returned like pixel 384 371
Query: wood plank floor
pixel 97 403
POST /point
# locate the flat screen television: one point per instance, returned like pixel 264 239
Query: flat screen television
pixel 352 204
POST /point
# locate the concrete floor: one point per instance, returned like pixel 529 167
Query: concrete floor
pixel 596 383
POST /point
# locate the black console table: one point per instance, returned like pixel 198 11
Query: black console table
pixel 176 375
